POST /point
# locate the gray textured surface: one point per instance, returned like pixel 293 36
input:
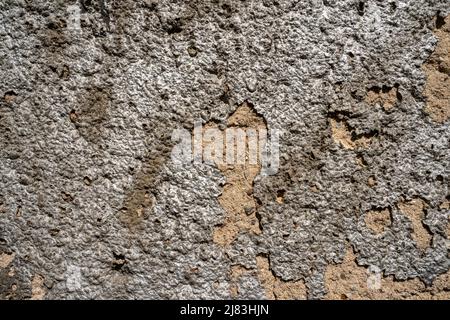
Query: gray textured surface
pixel 90 125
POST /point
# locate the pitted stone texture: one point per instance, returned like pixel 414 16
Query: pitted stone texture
pixel 90 203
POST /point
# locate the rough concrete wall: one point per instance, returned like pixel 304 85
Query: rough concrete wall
pixel 91 205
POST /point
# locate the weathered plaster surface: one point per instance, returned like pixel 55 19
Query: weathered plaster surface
pixel 91 205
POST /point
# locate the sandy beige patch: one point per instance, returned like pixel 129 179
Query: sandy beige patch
pixel 275 288
pixel 37 288
pixel 386 97
pixel 378 220
pixel 6 259
pixel 348 280
pixel 415 211
pixel 237 196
